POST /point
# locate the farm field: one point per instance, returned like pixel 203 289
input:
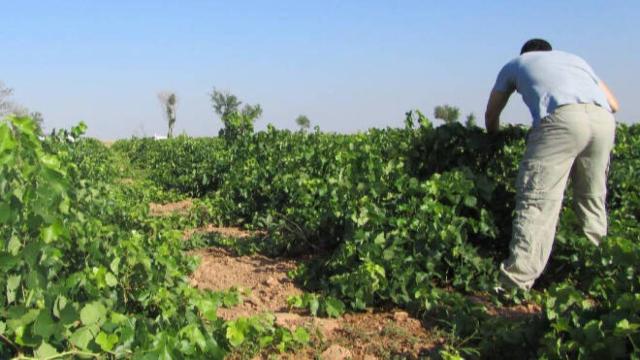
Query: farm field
pixel 281 244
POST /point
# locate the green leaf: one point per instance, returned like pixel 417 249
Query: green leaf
pixel 79 129
pixel 5 213
pixel 334 307
pixel 64 205
pixel 593 331
pixel 195 336
pixel 118 318
pixel 31 253
pixel 209 309
pixel 389 253
pixel 235 335
pixel 35 280
pixel 470 201
pixel 111 280
pixel 83 336
pixel 24 124
pixel 45 351
pixel 7 142
pixel 314 304
pixel 69 314
pixel 115 265
pixel 22 318
pixel 8 262
pixel 301 335
pixel 12 284
pixel 14 245
pixel 265 341
pixel 106 341
pixel 93 313
pixel 624 327
pixel 44 325
pixel 51 232
pixel 51 161
pixel 231 299
pixel 58 305
pixel 295 301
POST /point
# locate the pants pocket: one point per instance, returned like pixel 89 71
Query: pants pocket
pixel 537 180
pixel 529 180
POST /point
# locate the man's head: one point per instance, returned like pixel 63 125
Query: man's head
pixel 535 45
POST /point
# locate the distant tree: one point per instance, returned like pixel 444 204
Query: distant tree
pixel 448 114
pixel 224 103
pixel 6 106
pixel 471 121
pixel 252 112
pixel 236 122
pixel 303 121
pixel 9 107
pixel 19 110
pixel 169 101
pixel 38 119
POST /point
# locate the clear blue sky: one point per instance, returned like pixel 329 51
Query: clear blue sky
pixel 347 65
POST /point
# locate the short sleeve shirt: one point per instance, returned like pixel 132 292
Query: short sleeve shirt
pixel 549 79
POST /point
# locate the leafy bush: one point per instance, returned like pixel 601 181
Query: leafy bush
pixel 420 217
pixel 86 271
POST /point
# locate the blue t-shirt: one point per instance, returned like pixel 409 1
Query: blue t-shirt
pixel 549 79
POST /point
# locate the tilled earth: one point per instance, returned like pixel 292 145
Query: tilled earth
pixel 374 334
pixel 368 335
pixel 265 279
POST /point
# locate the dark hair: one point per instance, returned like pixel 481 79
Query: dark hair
pixel 535 45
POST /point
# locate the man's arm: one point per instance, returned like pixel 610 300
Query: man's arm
pixel 497 102
pixel 611 99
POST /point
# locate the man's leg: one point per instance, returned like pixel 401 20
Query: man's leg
pixel 589 176
pixel 551 150
pixel 533 233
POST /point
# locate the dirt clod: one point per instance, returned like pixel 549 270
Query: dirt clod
pixel 288 320
pixel 400 316
pixel 271 282
pixel 328 327
pixel 336 352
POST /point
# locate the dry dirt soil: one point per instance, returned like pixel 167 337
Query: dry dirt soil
pixel 370 335
pixel 374 334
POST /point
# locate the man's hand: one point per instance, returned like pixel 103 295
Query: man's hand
pixel 497 102
pixel 613 102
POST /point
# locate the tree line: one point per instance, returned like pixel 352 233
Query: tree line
pixel 238 120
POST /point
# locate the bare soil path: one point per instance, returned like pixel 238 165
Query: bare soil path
pixel 375 334
pixel 369 335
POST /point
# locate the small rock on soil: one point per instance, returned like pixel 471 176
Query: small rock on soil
pixel 336 352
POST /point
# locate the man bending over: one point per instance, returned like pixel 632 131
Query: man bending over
pixel 571 137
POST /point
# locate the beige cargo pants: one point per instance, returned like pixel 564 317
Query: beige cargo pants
pixel 573 142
